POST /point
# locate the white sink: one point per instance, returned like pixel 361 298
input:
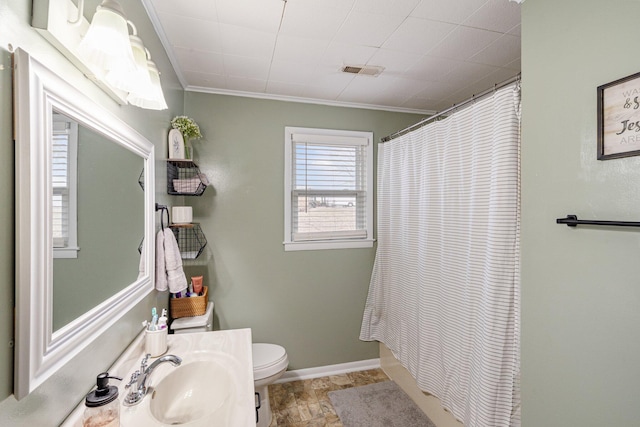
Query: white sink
pixel 213 386
pixel 194 391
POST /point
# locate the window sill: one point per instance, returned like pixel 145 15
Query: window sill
pixel 65 253
pixel 333 244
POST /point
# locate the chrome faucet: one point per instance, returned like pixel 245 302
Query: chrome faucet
pixel 139 378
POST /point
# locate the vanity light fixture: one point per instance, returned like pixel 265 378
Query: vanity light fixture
pixel 149 96
pixel 123 77
pixel 106 46
pixel 102 49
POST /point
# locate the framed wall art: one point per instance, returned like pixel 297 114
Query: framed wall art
pixel 619 118
pixel 176 145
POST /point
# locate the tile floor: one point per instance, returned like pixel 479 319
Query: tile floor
pixel 306 403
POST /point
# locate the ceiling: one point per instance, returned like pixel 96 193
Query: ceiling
pixel 435 53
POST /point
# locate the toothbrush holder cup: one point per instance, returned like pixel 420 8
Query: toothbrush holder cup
pixel 155 342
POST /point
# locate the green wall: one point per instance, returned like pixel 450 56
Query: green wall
pixel 580 286
pixel 50 403
pixel 311 302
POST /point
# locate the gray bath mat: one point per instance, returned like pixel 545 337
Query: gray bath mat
pixel 377 405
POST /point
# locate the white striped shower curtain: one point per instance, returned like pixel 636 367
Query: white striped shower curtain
pixel 444 292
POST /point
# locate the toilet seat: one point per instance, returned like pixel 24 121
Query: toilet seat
pixel 268 360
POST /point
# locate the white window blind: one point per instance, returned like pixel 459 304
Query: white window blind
pixel 64 164
pixel 328 192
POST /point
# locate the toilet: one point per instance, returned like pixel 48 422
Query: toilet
pixel 270 361
pixel 186 325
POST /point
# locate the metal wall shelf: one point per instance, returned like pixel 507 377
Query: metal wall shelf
pixel 191 239
pixel 185 179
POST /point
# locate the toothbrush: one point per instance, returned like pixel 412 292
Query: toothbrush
pixel 154 322
pixel 154 319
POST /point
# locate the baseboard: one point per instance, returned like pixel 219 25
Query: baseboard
pixel 325 371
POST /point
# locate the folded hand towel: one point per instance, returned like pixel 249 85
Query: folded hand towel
pixel 176 280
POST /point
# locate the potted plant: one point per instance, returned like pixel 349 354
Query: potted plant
pixel 189 130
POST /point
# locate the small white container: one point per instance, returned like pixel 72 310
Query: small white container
pixel 155 342
pixel 182 214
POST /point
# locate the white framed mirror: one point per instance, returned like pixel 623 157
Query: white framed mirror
pixel 106 270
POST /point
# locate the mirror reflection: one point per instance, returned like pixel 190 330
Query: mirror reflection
pixel 98 218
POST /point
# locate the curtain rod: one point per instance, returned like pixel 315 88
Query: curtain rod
pixel 436 116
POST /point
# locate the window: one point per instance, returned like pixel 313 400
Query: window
pixel 328 189
pixel 64 180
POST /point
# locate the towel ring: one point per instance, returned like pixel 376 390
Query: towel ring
pixel 163 209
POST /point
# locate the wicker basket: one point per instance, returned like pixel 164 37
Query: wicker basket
pixel 189 306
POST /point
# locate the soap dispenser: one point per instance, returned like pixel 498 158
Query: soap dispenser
pixel 102 404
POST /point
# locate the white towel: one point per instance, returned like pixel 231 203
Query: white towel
pixel 161 271
pixel 176 279
pixel 169 272
pixel 142 265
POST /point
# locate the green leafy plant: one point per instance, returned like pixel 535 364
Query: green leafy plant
pixel 187 127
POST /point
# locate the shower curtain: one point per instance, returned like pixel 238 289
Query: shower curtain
pixel 444 292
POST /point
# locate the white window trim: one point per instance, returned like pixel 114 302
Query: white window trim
pixel 319 136
pixel 72 248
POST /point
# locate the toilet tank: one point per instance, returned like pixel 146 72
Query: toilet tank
pixel 203 323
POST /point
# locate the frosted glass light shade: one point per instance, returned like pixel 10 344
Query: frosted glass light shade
pixel 127 80
pixel 106 45
pixel 149 97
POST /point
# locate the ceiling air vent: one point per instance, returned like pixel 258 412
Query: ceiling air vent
pixel 365 70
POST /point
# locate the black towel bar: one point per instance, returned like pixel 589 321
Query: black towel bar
pixel 572 221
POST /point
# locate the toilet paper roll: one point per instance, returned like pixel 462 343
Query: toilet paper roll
pixel 182 214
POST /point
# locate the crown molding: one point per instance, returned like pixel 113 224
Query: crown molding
pixel 286 98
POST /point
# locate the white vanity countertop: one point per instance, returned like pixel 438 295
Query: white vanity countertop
pixel 230 348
